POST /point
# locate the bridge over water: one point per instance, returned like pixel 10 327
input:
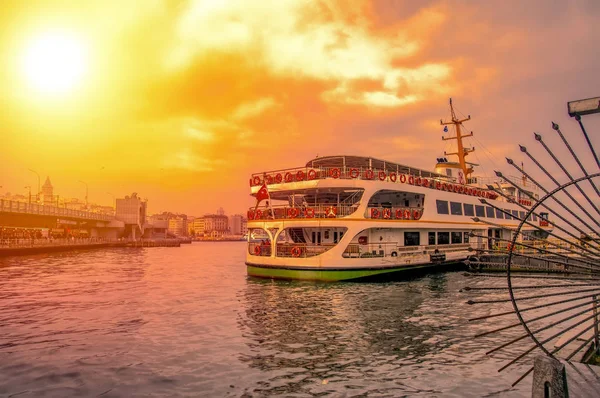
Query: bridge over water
pixel 33 215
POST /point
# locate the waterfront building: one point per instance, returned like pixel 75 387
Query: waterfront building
pixel 198 226
pixel 216 225
pixel 178 226
pixel 47 192
pixel 132 211
pixel 238 224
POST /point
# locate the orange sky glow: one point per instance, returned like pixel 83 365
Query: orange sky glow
pixel 181 101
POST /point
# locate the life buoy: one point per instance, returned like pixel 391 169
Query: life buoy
pixel 331 212
pixel 461 189
pixel 411 180
pixel 250 215
pixel 444 186
pixel 438 185
pixel 419 181
pixel 309 212
pixel 278 178
pixel 509 246
pixel 296 251
pixel 387 213
pixel 257 250
pixel 425 182
pixel 335 172
pixel 403 178
pixel 393 177
pixel 288 177
pixel 382 175
pixel 416 214
pixel 456 188
pixel 251 182
pixel 269 180
pixel 256 180
pixel 293 212
pixel 407 214
pixel 398 214
pixel 374 213
pixel 312 174
pixel 300 175
pixel 354 173
pixel 258 215
pixel 369 174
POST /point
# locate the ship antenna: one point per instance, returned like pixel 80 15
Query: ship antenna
pixel 461 152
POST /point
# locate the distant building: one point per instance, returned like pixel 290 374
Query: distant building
pixel 178 226
pixel 47 192
pixel 198 226
pixel 132 211
pixel 238 225
pixel 215 225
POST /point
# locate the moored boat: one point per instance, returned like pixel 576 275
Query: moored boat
pixel 355 217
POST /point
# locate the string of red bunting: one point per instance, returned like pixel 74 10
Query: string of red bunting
pixel 369 174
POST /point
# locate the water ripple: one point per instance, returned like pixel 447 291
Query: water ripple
pixel 188 322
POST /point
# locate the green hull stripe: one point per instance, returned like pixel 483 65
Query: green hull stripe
pixel 326 275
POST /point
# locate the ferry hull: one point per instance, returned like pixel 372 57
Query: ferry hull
pixel 345 274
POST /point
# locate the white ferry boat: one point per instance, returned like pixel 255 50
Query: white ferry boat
pixel 355 217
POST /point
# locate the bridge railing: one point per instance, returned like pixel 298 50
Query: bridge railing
pixel 41 242
pixel 12 206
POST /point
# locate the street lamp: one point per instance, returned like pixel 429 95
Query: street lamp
pixel 86 193
pixel 38 191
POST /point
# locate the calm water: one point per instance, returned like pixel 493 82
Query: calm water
pixel 189 322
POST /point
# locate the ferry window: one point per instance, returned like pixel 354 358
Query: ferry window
pixel 489 211
pixel 534 218
pixel 515 214
pixel 442 207
pixel 326 234
pixel 431 238
pixel 456 237
pixel 443 238
pixel 499 213
pixel 466 237
pixel 479 211
pixel 456 208
pixel 469 210
pixel 335 237
pixel 522 214
pixel 507 216
pixel 529 217
pixel 406 203
pixel 412 239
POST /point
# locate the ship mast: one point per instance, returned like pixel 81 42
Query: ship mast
pixel 461 152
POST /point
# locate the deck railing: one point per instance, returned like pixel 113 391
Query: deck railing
pixel 393 249
pixel 349 173
pixel 345 173
pixel 280 212
pixel 12 206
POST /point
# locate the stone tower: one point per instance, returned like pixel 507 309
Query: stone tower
pixel 48 192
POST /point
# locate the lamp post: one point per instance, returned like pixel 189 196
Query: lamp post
pixel 37 195
pixel 29 187
pixel 113 202
pixel 86 193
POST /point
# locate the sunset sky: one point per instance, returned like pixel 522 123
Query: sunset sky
pixel 181 100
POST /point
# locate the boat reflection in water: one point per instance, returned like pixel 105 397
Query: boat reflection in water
pixel 393 338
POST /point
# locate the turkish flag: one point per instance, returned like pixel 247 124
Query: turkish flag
pixel 263 193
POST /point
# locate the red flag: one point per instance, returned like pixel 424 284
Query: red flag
pixel 263 193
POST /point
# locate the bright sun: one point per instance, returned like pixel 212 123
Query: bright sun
pixel 55 62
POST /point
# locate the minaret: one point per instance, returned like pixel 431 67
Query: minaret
pixel 48 192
